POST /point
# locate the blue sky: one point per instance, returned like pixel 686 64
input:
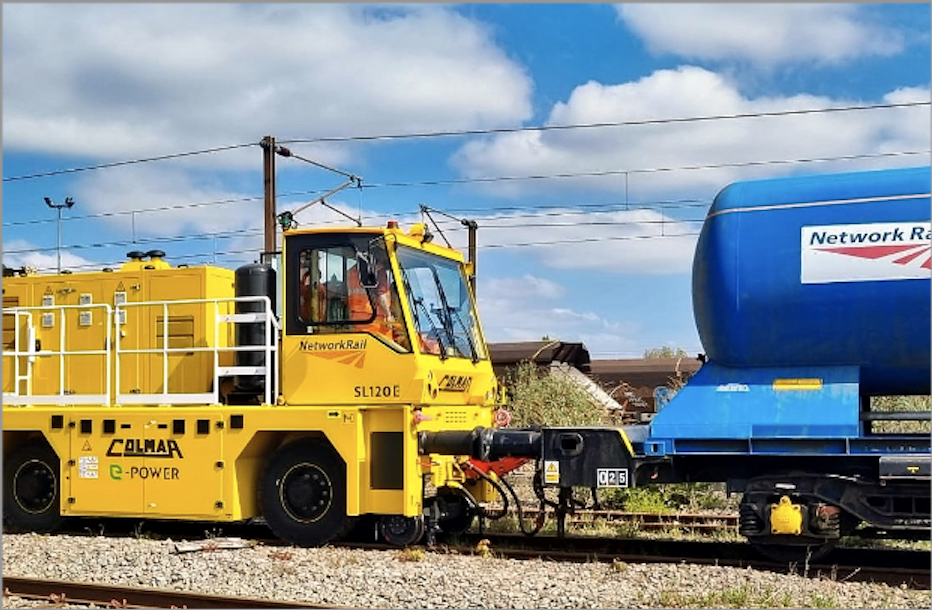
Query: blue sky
pixel 596 247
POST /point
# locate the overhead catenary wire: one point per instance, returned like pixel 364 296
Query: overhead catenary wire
pixel 245 233
pixel 164 208
pixel 624 172
pixel 234 255
pixel 179 155
pixel 478 132
pixel 487 219
pixel 631 123
pixel 457 181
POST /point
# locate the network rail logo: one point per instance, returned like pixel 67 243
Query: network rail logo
pixel 865 252
pixel 345 351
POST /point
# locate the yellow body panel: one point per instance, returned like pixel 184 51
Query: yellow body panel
pixel 204 461
pixel 147 467
pixel 85 328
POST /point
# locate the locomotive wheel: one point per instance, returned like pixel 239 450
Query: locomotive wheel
pixel 402 531
pixel 302 494
pixel 31 489
pixel 788 553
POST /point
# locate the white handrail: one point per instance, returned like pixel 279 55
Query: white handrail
pixel 270 348
pixel 16 354
pixel 61 397
pixel 115 318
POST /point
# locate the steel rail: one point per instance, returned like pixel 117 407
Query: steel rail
pixel 121 596
pixel 894 567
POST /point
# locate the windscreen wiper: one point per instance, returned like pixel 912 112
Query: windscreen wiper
pixel 417 304
pixel 443 312
pixel 467 334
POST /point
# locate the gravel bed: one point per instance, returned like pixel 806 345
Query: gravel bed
pixel 410 578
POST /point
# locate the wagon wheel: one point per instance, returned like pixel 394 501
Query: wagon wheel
pixel 302 494
pixel 31 489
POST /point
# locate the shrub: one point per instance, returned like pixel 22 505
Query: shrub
pixel 537 398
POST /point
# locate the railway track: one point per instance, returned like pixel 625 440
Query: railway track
pixel 60 592
pixel 893 567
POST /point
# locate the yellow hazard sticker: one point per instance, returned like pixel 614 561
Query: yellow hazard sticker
pixel 551 472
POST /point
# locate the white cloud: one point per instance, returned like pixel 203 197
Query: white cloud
pixel 642 150
pixel 525 288
pixel 20 252
pixel 527 308
pixel 181 203
pixel 620 242
pixel 118 81
pixel 764 34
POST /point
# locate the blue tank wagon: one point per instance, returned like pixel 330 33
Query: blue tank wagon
pixel 811 295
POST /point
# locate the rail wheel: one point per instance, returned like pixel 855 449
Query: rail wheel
pixel 31 489
pixel 302 494
pixel 400 530
pixel 458 513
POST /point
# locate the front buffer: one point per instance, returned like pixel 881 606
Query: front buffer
pixel 566 458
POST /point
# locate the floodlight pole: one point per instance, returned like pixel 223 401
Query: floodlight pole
pixel 59 206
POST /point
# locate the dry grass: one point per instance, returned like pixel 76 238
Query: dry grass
pixel 893 404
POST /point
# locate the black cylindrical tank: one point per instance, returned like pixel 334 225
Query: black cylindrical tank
pixel 254 279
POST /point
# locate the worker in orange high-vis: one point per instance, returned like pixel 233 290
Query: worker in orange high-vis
pixel 384 321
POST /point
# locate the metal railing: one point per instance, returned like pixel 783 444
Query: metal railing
pixel 29 354
pixel 270 349
pixel 24 357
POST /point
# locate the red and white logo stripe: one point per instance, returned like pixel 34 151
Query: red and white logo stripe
pixel 865 252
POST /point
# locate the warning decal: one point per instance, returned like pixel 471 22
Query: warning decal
pixel 87 467
pixel 551 472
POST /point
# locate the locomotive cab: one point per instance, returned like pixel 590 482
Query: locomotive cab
pixel 379 316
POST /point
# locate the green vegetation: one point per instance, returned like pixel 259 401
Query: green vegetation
pixel 665 352
pixel 748 595
pixel 674 497
pixel 411 554
pixel 537 398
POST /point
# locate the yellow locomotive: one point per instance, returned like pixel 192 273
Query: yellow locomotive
pixel 199 393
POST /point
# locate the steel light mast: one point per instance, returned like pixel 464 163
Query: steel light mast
pixel 59 206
